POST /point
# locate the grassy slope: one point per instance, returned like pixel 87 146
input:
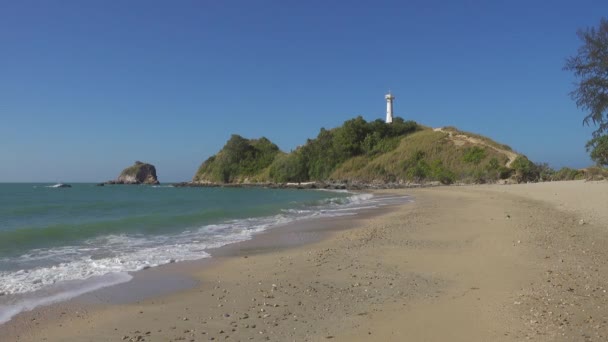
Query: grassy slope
pixel 432 147
pixel 425 155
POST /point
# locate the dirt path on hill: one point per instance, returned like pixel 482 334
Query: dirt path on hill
pixel 460 139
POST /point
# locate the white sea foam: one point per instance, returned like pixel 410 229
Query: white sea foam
pixel 104 261
pixel 9 310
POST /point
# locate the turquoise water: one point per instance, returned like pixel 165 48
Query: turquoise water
pixel 36 216
pixel 57 243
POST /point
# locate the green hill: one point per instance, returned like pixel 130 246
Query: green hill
pixel 428 155
pixel 240 160
pixel 367 152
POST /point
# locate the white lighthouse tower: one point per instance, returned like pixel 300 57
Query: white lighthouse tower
pixel 389 107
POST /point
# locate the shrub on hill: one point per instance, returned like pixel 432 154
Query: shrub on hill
pixel 238 159
pixel 288 168
pixel 596 173
pixel 367 152
pixel 525 170
pixel 427 155
pixel 319 157
pixel 474 155
pixel 566 173
pixel 598 147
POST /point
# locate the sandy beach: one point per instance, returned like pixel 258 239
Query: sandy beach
pixel 470 263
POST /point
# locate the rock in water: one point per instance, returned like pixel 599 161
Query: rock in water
pixel 140 173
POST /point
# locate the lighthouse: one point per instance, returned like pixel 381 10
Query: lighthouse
pixel 389 107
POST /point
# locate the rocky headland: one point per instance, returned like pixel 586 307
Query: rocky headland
pixel 139 173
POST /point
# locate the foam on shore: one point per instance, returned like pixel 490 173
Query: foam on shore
pixel 69 271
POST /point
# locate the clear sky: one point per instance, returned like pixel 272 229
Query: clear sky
pixel 88 87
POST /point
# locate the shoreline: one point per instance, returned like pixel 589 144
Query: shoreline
pixel 312 185
pixel 476 263
pixel 347 203
pixel 174 277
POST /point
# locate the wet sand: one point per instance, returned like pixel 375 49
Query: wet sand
pixel 475 263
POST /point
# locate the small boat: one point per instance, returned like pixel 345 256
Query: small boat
pixel 60 185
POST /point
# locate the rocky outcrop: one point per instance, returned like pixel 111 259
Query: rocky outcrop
pixel 140 173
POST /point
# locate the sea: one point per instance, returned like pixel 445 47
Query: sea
pixel 58 243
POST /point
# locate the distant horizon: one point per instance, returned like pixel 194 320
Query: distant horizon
pixel 194 171
pixel 88 88
pixel 591 164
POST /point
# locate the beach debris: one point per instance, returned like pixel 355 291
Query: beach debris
pixel 581 222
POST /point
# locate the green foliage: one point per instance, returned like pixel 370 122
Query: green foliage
pixel 360 151
pixel 598 147
pixel 596 173
pixel 440 173
pixel 348 139
pixel 238 159
pixel 567 173
pixel 474 155
pixel 288 168
pixel 493 164
pixel 320 157
pixel 418 169
pixel 544 171
pixel 525 170
pixel 134 169
pixel 131 170
pixel 260 159
pixel 425 155
pixel 589 66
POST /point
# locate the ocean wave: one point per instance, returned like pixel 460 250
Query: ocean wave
pixel 100 257
pixel 9 310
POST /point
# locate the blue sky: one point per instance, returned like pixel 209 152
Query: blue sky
pixel 88 87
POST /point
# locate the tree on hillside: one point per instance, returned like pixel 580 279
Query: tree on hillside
pixel 598 147
pixel 590 67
